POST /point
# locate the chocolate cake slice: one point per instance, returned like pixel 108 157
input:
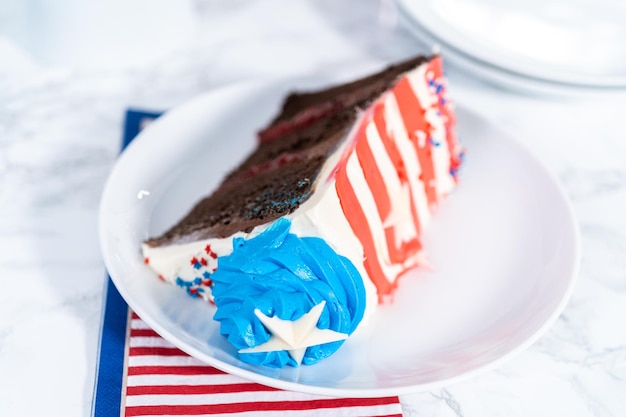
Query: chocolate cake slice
pixel 279 175
pixel 314 228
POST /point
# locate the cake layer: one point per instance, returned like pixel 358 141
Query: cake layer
pixel 300 109
pixel 323 134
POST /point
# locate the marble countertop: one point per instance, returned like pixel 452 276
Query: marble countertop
pixel 62 98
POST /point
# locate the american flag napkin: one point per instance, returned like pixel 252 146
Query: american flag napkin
pixel 141 374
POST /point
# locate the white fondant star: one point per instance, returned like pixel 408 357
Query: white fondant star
pixel 295 336
pixel 400 217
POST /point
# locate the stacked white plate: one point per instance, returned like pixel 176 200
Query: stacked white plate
pixel 532 44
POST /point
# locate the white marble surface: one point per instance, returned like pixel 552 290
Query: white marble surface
pixel 62 97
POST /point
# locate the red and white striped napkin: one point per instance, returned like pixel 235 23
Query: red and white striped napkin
pixel 161 380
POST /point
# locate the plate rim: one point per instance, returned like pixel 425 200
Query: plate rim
pixel 316 389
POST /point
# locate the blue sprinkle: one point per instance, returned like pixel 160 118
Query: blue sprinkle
pixel 206 274
pixel 197 265
pixel 442 101
pixel 434 142
pixel 182 283
pixel 197 281
pixel 431 83
pixel 439 88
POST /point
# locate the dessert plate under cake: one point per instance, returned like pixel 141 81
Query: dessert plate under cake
pixel 505 248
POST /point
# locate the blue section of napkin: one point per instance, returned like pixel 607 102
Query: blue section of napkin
pixel 110 371
pixel 107 399
pixel 134 122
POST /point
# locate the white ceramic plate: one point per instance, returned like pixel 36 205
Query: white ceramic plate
pixel 540 45
pixel 504 245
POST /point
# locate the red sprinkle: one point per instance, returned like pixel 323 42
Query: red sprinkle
pixel 203 261
pixel 146 261
pixel 303 118
pixel 208 250
pixel 194 260
pixel 281 160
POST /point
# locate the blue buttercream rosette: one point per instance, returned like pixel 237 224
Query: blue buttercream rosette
pixel 285 276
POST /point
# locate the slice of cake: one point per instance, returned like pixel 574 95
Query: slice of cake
pixel 314 229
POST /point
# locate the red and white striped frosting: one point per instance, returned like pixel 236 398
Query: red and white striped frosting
pixel 383 185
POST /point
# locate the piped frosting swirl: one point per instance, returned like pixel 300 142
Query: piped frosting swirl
pixel 285 276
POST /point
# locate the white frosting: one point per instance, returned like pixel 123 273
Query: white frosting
pixel 427 97
pixel 417 80
pixel 396 129
pixel 401 216
pixel 325 219
pixel 368 205
pixel 173 262
pixel 444 182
